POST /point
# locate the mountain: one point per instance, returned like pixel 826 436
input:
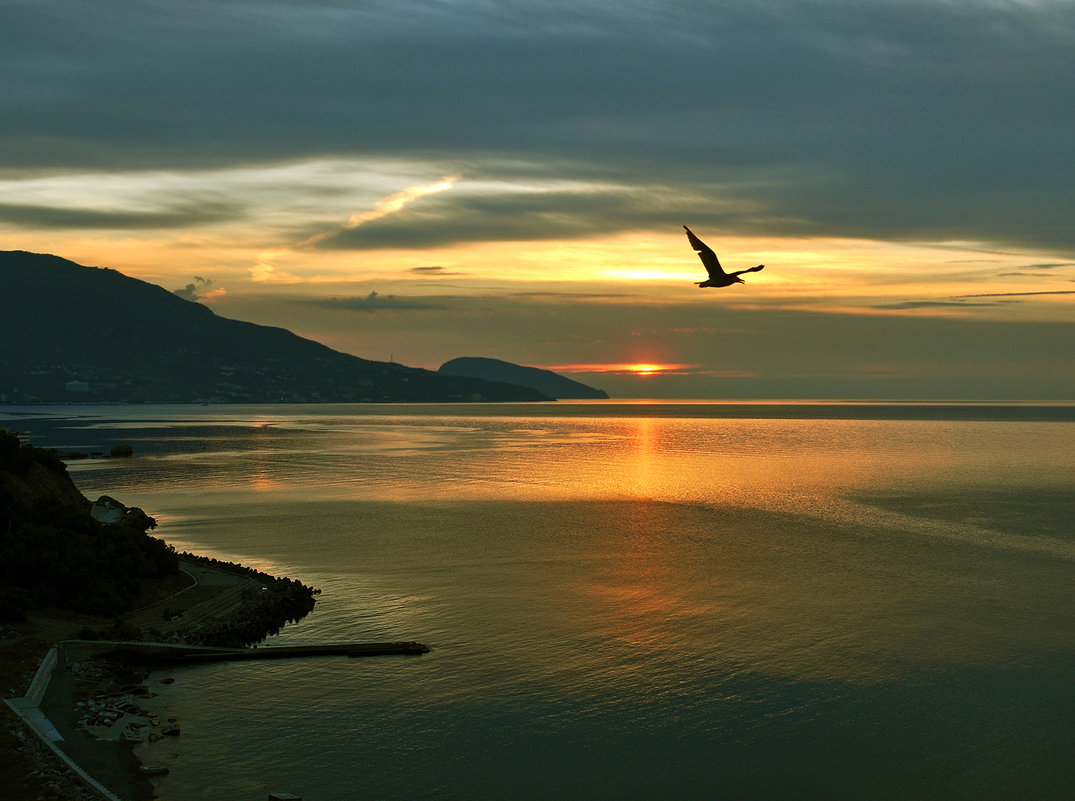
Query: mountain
pixel 544 381
pixel 88 334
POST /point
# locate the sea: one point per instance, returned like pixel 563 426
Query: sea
pixel 622 600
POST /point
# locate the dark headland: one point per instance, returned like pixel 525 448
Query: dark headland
pixel 75 334
pixel 546 382
pixel 72 585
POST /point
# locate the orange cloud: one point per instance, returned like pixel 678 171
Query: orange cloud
pixel 384 207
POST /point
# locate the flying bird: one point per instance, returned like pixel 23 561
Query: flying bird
pixel 717 276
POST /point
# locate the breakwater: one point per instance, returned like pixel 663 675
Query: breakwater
pixel 173 654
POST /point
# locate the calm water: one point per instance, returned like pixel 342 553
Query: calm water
pixel 625 601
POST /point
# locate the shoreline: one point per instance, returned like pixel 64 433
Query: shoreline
pixel 91 702
pixel 71 568
pixel 110 761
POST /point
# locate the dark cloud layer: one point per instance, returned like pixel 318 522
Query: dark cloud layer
pixel 907 120
pixel 1018 294
pixel 514 216
pixel 372 302
pixel 181 216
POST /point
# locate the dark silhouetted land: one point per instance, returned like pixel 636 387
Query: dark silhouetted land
pixel 66 575
pixel 71 333
pixel 546 382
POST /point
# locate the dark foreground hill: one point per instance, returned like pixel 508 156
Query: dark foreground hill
pixel 544 381
pixel 53 553
pixel 87 334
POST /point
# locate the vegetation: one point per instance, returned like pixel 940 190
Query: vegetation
pixel 263 611
pixel 54 554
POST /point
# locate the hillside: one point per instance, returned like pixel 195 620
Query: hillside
pixel 53 553
pixel 86 334
pixel 65 574
pixel 544 381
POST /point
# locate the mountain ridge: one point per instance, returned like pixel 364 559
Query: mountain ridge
pixel 71 333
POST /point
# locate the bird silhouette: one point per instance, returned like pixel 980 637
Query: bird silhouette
pixel 717 276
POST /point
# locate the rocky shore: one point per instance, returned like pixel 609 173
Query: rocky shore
pixel 267 604
pixel 31 771
pixel 99 700
pixel 75 576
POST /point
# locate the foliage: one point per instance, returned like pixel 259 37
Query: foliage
pixel 52 551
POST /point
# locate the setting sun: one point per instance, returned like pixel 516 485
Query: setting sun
pixel 640 369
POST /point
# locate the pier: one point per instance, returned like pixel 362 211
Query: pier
pixel 352 650
pixel 178 653
pixel 70 651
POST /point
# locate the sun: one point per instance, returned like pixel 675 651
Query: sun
pixel 645 369
pixel 642 369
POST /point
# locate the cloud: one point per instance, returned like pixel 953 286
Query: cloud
pixel 538 210
pixel 392 204
pixel 199 290
pixel 1017 294
pixel 60 217
pixel 372 302
pixel 1032 269
pixel 875 118
pixel 265 270
pixel 435 271
pixel 928 304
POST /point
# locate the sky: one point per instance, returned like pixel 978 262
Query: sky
pixel 420 181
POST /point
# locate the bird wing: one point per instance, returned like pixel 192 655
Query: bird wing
pixel 750 270
pixel 706 254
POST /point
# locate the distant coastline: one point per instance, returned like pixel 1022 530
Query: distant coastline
pixel 108 337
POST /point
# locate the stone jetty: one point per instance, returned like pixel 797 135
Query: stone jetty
pixel 182 654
